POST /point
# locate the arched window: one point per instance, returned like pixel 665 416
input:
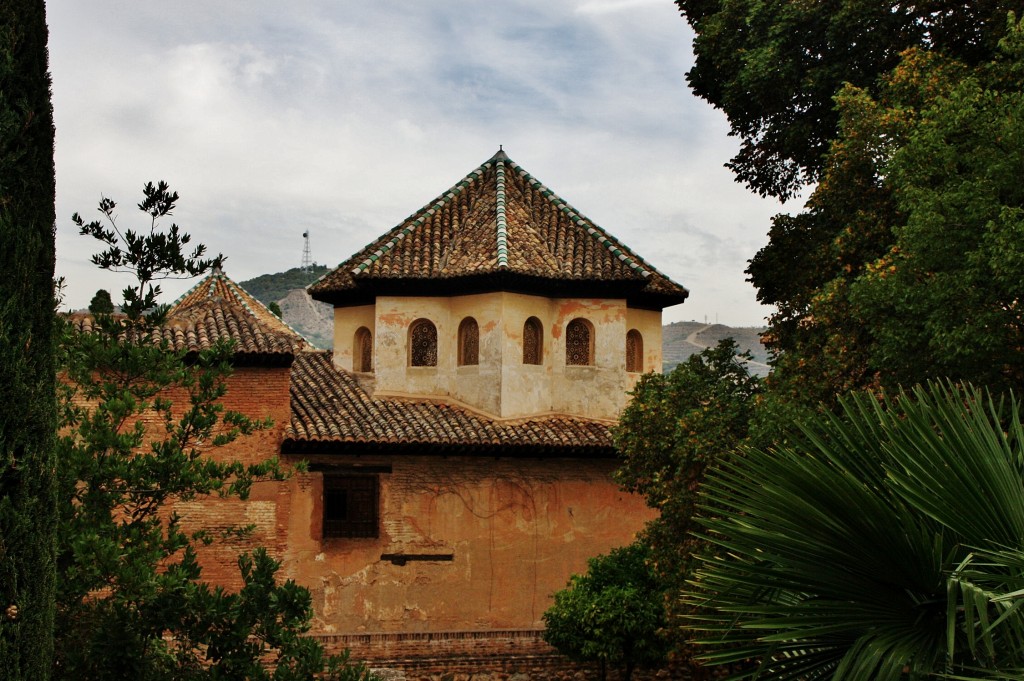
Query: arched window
pixel 634 351
pixel 533 342
pixel 423 343
pixel 362 350
pixel 469 342
pixel 579 343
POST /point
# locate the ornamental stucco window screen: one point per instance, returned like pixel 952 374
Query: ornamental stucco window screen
pixel 634 351
pixel 469 342
pixel 579 343
pixel 362 351
pixel 423 343
pixel 533 342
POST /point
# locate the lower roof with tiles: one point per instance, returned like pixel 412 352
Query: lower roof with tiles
pixel 216 310
pixel 331 412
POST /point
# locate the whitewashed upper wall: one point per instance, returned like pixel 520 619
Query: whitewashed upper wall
pixel 501 385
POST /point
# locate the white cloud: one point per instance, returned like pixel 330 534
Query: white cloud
pixel 344 118
pixel 613 6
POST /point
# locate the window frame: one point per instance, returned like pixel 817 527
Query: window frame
pixel 415 328
pixel 360 496
pixel 588 326
pixel 469 327
pixel 361 343
pixel 637 366
pixel 539 330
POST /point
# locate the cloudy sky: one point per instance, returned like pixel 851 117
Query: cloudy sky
pixel 342 118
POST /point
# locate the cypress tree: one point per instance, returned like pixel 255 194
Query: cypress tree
pixel 27 364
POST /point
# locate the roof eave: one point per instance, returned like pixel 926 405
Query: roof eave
pixel 248 358
pixel 634 291
pixel 297 446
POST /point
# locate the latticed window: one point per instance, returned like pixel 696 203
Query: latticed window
pixel 423 343
pixel 533 342
pixel 469 342
pixel 350 505
pixel 634 351
pixel 362 350
pixel 579 343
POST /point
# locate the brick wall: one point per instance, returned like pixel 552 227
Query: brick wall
pixel 257 392
pixel 498 655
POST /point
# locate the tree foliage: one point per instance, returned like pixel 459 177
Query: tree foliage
pixel 904 265
pixel 676 426
pixel 883 542
pixel 944 300
pixel 614 614
pixel 150 254
pixel 774 67
pixel 27 371
pixel 863 544
pixel 101 303
pixel 140 424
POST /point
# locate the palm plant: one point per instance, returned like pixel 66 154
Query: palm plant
pixel 885 541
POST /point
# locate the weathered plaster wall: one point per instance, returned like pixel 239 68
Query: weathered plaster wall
pixel 501 385
pixel 525 388
pixel 346 321
pixel 515 530
pixel 478 385
pixel 393 373
pixel 599 390
pixel 648 323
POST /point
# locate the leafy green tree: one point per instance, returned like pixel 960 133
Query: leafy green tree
pixel 149 255
pixel 27 369
pixel 904 265
pixel 855 96
pixel 131 600
pixel 944 300
pixel 676 426
pixel 275 308
pixel 101 303
pixel 614 614
pixel 883 542
pixel 774 67
pixel 820 345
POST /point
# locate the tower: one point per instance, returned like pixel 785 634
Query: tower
pixel 307 258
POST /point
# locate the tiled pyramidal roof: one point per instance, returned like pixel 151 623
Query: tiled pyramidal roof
pixel 499 224
pixel 330 409
pixel 217 308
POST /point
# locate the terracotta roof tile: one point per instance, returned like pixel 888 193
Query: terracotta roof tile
pixel 498 220
pixel 219 309
pixel 330 408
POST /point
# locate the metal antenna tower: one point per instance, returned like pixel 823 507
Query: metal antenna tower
pixel 307 257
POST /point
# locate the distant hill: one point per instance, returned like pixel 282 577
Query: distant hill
pixel 268 288
pixel 682 339
pixel 315 320
pixel 312 319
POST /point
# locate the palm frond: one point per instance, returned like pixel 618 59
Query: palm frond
pixel 883 540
